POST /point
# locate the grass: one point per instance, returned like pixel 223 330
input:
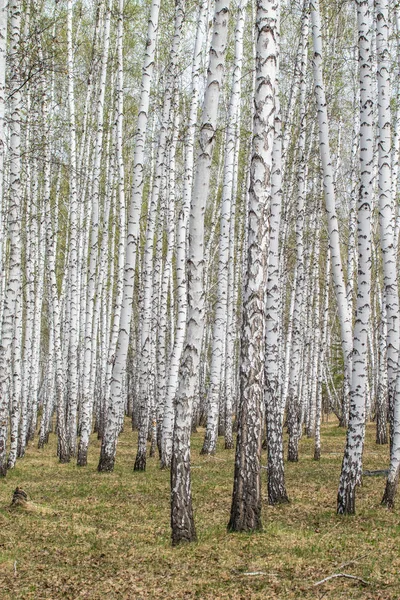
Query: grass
pixel 107 535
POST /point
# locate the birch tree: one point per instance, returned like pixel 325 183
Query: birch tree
pixel 352 461
pixel 181 244
pixel 276 482
pixel 13 289
pixel 117 397
pixel 182 523
pixel 330 203
pixel 246 500
pixel 220 319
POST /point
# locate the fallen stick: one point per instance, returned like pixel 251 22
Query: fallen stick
pixel 376 473
pixel 252 573
pixel 341 575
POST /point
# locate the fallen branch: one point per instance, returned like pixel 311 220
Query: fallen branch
pixel 254 573
pixel 341 575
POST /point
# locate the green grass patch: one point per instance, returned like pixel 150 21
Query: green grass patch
pixel 93 535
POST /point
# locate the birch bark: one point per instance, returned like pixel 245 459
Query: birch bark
pixel 117 396
pixel 73 249
pixel 220 321
pixel 181 245
pixel 276 478
pixel 91 314
pixel 13 288
pixel 388 246
pixel 352 460
pixel 329 193
pixel 182 523
pixel 246 500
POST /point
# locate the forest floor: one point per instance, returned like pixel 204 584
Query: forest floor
pixel 90 535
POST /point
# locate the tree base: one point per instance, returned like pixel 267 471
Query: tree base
pixel 381 437
pixel 293 456
pixel 165 464
pixel 239 525
pixel 106 463
pixel 184 536
pixel 276 497
pixel 140 462
pixel 82 457
pixel 281 499
pixel 152 449
pixel 346 501
pixel 390 494
pixel 317 453
pixel 206 452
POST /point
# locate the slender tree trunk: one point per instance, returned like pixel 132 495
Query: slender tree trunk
pixel 388 247
pixel 217 371
pixel 117 395
pixel 182 523
pixel 352 460
pixel 246 499
pixel 294 405
pixel 13 289
pixel 276 478
pixel 329 193
pixel 73 250
pixel 91 312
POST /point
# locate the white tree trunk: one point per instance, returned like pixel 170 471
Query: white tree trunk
pixel 352 460
pixel 181 499
pixel 246 501
pixel 117 396
pixel 90 340
pixel 13 289
pixel 219 326
pixel 73 294
pixel 329 193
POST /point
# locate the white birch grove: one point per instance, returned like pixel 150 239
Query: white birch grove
pixel 199 231
pixel 297 332
pixel 146 368
pixel 92 307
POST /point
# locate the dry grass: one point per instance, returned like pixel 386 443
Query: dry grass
pixel 107 535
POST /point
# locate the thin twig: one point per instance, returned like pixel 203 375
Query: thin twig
pixel 341 575
pixel 252 573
